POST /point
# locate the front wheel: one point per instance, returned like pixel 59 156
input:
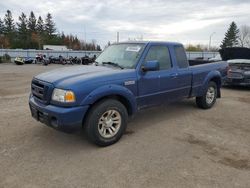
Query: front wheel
pixel 208 100
pixel 106 122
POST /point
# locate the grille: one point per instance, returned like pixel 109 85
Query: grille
pixel 235 75
pixel 248 80
pixel 40 91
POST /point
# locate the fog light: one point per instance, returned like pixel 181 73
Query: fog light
pixel 54 122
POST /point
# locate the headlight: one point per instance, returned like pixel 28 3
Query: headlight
pixel 247 72
pixel 61 95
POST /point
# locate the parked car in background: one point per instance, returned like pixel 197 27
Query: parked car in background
pixel 22 61
pixel 235 53
pixel 238 59
pixel 239 72
pixel 28 60
pixel 19 61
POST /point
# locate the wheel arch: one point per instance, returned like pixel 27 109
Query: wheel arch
pixel 213 76
pixel 119 98
pixel 120 93
pixel 217 80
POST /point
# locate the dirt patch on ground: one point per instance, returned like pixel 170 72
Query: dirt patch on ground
pixel 236 163
pixel 129 132
pixel 205 145
pixel 232 159
pixel 245 99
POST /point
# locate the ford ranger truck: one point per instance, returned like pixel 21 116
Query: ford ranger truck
pixel 126 77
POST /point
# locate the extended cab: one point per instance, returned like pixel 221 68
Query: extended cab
pixel 125 78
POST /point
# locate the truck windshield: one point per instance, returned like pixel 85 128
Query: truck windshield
pixel 121 55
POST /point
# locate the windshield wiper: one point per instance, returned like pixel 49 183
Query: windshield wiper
pixel 112 63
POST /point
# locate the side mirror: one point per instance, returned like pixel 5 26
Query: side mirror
pixel 151 66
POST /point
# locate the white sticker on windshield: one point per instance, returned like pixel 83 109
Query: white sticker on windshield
pixel 133 48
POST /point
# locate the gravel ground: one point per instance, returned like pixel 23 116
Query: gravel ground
pixel 177 145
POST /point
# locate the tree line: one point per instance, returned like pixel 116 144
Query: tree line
pixel 32 33
pixel 200 48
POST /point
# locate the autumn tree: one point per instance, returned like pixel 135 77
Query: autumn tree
pixel 9 28
pixel 33 36
pixel 40 31
pixel 3 40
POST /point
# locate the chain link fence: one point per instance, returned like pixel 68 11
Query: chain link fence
pixel 32 53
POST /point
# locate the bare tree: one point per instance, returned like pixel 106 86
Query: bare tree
pixel 244 36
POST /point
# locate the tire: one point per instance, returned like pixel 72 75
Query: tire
pixel 209 98
pixel 106 122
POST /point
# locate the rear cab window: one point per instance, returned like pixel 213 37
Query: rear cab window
pixel 181 57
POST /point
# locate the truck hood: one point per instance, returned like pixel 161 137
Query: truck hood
pixel 239 61
pixel 239 65
pixel 67 76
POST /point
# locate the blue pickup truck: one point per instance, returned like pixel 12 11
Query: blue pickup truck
pixel 126 77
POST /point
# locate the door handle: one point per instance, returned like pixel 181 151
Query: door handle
pixel 173 75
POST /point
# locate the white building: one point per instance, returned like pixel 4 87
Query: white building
pixel 55 47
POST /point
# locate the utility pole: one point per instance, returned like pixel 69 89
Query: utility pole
pixel 118 37
pixel 85 40
pixel 210 40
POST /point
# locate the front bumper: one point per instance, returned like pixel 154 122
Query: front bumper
pixel 238 82
pixel 61 118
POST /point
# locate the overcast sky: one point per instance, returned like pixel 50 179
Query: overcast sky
pixel 186 21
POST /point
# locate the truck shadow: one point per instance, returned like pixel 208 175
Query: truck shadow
pixel 56 141
pixel 53 139
pixel 240 88
pixel 152 116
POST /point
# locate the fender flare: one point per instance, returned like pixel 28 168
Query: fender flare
pixel 109 90
pixel 211 75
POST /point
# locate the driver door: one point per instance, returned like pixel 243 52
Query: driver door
pixel 154 86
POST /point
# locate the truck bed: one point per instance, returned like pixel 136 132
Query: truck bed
pixel 197 62
pixel 201 73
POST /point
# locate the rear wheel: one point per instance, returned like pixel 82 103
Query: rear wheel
pixel 106 122
pixel 209 98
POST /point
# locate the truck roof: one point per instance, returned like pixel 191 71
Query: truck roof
pixel 150 42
